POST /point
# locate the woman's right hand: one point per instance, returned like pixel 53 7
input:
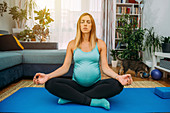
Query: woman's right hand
pixel 40 78
pixel 125 79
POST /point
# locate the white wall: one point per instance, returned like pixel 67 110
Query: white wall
pixel 6 21
pixel 156 13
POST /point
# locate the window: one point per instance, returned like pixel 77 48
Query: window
pixel 66 13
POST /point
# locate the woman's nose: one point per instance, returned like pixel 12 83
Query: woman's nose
pixel 85 23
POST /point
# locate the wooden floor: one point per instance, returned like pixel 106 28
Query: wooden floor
pixel 163 81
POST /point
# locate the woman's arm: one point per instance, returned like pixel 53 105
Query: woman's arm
pixel 104 64
pixel 41 78
pixel 125 79
pixel 66 65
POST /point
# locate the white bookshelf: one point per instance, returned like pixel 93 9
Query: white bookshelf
pixel 119 9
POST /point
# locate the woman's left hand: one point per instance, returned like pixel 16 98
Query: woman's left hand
pixel 125 79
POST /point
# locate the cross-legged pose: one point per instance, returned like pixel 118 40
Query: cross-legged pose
pixel 86 86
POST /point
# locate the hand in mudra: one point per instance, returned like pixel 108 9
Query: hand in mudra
pixel 125 79
pixel 40 78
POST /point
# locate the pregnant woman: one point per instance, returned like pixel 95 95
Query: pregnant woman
pixel 86 86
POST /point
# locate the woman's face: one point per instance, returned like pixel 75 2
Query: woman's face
pixel 85 24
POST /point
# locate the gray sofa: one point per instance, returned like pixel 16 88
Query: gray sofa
pixel 25 63
pixel 15 65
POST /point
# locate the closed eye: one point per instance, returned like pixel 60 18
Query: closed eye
pixel 88 21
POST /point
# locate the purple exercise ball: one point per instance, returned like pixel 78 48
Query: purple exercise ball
pixel 156 74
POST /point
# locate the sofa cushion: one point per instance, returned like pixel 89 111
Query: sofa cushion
pixel 9 59
pixel 10 74
pixel 44 56
pixel 3 32
pixel 9 42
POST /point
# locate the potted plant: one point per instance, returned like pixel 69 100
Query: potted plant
pixel 114 59
pixel 152 41
pixel 132 36
pixel 26 35
pixel 41 29
pixel 165 44
pixel 152 44
pixel 19 15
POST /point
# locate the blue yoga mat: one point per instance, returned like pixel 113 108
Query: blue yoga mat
pixel 40 100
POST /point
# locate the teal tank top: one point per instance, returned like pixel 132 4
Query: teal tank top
pixel 86 67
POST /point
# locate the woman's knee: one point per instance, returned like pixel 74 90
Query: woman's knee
pixel 54 82
pixel 50 83
pixel 117 87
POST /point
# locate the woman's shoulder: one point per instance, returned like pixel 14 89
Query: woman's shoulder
pixel 101 43
pixel 71 44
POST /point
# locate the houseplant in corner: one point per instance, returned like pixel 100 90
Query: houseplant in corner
pixel 41 29
pixel 152 41
pixel 132 36
pixel 152 44
pixel 165 44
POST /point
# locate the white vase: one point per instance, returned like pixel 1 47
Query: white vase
pixel 20 24
pixel 17 30
pixel 114 63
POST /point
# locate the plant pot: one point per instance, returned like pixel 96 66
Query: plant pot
pixel 166 47
pixel 17 30
pixel 114 63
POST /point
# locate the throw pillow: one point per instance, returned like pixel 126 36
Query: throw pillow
pixel 9 42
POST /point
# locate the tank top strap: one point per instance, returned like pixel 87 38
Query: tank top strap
pixel 96 46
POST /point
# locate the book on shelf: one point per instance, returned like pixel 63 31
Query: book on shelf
pixel 117 45
pixel 123 10
pixel 126 1
pixel 121 1
pixel 118 35
pixel 136 11
pixel 120 45
pixel 119 24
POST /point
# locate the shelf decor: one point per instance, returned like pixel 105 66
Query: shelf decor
pixel 131 8
pixel 132 1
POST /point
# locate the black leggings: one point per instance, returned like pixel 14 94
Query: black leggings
pixel 70 90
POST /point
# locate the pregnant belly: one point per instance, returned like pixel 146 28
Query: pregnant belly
pixel 87 76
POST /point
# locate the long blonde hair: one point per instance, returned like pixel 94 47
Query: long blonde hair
pixel 93 38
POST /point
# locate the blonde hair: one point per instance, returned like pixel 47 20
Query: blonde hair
pixel 93 38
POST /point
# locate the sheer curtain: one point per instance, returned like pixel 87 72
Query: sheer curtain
pixel 65 14
pixel 108 25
